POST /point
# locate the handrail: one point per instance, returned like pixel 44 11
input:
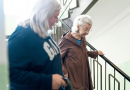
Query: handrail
pixel 103 57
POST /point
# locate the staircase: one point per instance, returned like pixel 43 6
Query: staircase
pixel 105 74
pixel 70 10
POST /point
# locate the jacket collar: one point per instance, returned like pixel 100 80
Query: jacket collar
pixel 70 38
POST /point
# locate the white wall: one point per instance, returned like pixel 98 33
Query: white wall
pixel 115 42
pixel 111 29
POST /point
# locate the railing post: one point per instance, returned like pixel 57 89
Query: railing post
pixel 94 73
pixel 124 83
pixel 114 79
pixel 97 74
pixel 105 75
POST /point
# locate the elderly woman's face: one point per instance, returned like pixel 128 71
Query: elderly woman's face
pixel 84 29
pixel 53 19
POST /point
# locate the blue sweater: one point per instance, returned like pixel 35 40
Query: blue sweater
pixel 32 60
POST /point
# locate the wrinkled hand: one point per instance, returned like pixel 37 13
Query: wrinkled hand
pixel 100 53
pixel 57 81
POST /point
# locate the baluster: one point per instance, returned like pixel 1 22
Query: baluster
pixel 93 74
pixel 105 75
pixel 90 61
pixel 124 83
pixel 97 73
pixel 114 79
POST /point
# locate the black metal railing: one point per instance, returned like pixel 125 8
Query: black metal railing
pixel 110 63
pixel 56 26
pixel 107 61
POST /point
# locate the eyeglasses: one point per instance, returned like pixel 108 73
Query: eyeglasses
pixel 86 29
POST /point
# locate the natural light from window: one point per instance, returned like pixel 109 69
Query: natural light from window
pixel 14 11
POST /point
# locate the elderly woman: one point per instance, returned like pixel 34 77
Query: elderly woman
pixel 34 58
pixel 74 54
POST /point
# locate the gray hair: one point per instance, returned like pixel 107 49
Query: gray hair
pixel 38 19
pixel 80 20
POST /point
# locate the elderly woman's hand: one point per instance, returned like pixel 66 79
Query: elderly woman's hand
pixel 100 53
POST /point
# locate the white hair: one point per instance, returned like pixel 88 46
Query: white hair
pixel 80 20
pixel 38 19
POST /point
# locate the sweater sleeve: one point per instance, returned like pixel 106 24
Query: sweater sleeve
pixel 19 68
pixel 92 54
pixel 63 49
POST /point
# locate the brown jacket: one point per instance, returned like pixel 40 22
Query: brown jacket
pixel 75 62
